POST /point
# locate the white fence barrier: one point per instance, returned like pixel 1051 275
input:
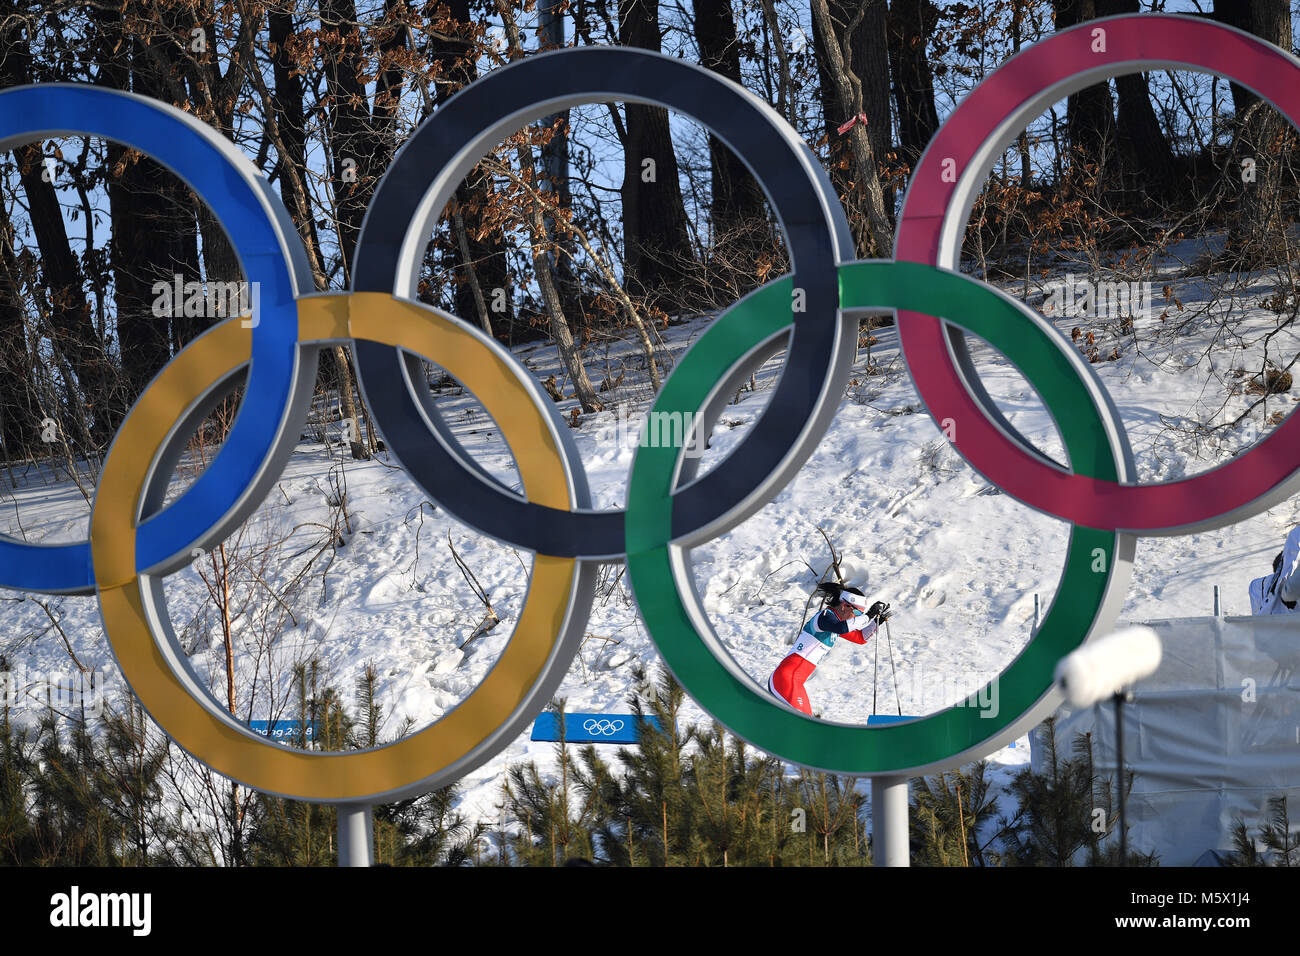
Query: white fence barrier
pixel 1211 735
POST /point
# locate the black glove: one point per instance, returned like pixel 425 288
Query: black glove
pixel 879 612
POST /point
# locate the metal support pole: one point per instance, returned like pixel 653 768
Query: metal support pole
pixel 1217 612
pixel 889 821
pixel 356 834
pixel 1119 759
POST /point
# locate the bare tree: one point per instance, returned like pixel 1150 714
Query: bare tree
pixel 739 215
pixel 1263 137
pixel 911 23
pixel 872 227
pixel 543 267
pixel 660 261
pixel 1090 113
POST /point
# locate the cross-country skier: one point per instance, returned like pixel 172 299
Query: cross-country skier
pixel 1277 593
pixel 846 615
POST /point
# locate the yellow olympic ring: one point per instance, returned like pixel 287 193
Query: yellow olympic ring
pixel 172 695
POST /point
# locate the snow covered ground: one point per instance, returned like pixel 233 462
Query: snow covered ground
pixel 960 562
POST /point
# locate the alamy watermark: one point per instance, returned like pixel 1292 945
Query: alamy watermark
pixel 662 430
pixel 920 693
pixel 74 909
pixel 69 692
pixel 210 300
pixel 1084 297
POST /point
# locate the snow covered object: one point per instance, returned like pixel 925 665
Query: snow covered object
pixel 1278 592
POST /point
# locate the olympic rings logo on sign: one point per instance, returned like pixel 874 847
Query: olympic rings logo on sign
pixel 602 727
pixel 136 538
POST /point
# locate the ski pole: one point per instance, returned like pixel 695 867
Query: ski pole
pixel 875 674
pixel 889 637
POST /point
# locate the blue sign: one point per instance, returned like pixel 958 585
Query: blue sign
pixel 879 720
pixel 592 728
pixel 282 729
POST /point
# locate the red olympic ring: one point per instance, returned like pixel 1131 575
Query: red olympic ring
pixel 937 209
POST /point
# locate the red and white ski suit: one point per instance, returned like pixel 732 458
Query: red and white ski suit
pixel 815 641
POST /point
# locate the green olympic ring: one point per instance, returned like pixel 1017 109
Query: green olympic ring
pixel 660 566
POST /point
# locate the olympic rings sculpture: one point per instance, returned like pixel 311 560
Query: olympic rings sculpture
pixel 136 538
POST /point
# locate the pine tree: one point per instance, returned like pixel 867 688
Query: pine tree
pixel 730 790
pixel 1105 813
pixel 785 835
pixel 834 806
pixel 1274 833
pixel 1063 811
pixel 425 831
pixel 652 797
pixel 72 820
pixel 372 711
pixel 1054 811
pixel 291 832
pixel 947 813
pixel 131 770
pixel 17 839
pixel 1246 851
pixel 562 817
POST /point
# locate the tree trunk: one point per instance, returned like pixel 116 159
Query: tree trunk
pixel 19 427
pixel 910 24
pixel 19 423
pixel 1090 115
pixel 861 30
pixel 362 142
pixel 197 79
pixel 155 240
pixel 71 331
pixel 155 237
pixel 352 140
pixel 836 50
pixel 560 330
pixel 152 242
pixel 870 64
pixel 660 262
pixel 555 166
pixel 785 78
pixel 1022 141
pixel 1262 136
pixel 453 56
pixel 740 227
pixel 1144 151
pixel 471 274
pixel 290 136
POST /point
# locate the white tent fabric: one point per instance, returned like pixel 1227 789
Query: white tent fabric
pixel 1211 735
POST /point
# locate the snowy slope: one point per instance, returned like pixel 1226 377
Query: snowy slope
pixel 960 562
